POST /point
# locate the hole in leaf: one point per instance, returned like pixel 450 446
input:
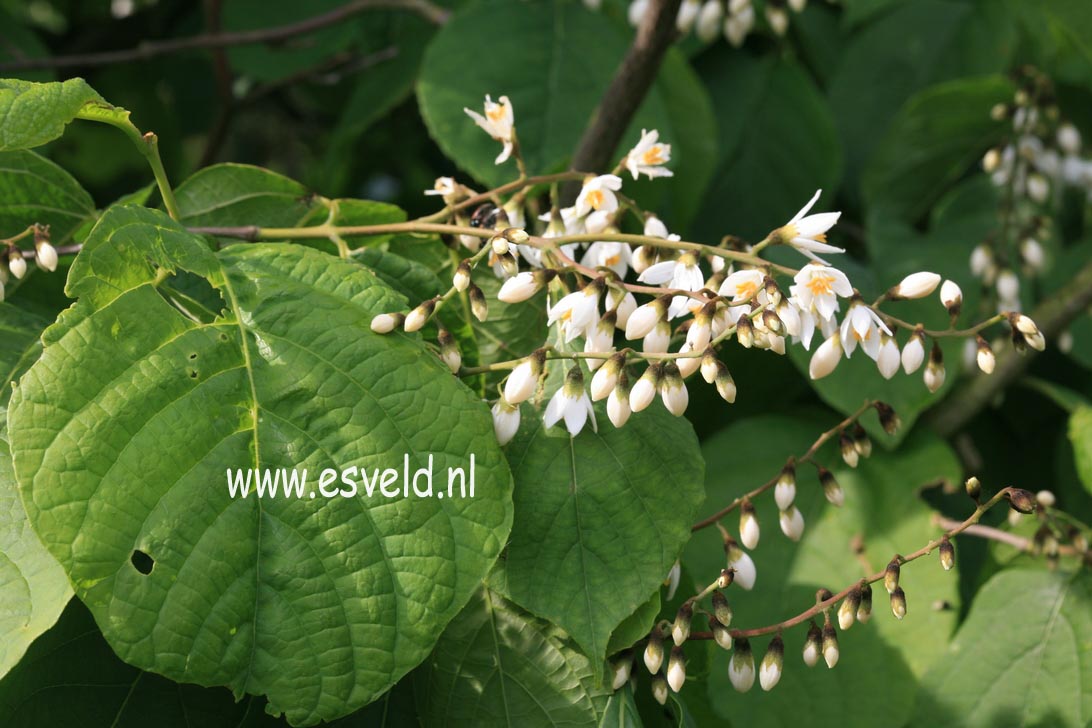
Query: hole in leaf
pixel 193 355
pixel 193 374
pixel 223 337
pixel 142 562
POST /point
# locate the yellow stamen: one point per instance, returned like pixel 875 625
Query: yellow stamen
pixel 595 199
pixel 653 155
pixel 495 112
pixel 612 260
pixel 745 290
pixel 820 285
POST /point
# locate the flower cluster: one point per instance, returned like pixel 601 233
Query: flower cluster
pixel 632 317
pixel 13 260
pixel 736 19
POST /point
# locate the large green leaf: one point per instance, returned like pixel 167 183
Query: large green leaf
pixel 600 519
pixel 241 194
pixel 136 411
pixel 876 673
pixel 1080 435
pixel 497 665
pixel 1023 657
pixel 35 113
pixel 34 189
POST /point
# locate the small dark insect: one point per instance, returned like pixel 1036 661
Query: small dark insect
pixel 485 216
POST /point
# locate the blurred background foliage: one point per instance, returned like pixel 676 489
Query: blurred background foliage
pixel 884 104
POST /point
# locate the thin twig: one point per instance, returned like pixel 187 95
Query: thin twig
pixel 996 534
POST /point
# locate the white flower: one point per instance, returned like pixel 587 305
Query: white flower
pixel 17 264
pixel 674 395
pixel 1038 187
pixel 1008 285
pixel 862 325
pixel 888 359
pixel 571 404
pixel 615 256
pixel 683 274
pixel 826 357
pixel 518 288
pixel 505 421
pixel 444 186
pixel 597 195
pixel 792 522
pixel 709 19
pixel 739 24
pixel 951 295
pixel 982 263
pixel 741 670
pixel 636 11
pixel 622 670
pixel 676 670
pixel 655 228
pixel 778 19
pixel 769 671
pixel 913 354
pixel 599 341
pixel 742 285
pixel 649 156
pixel 618 410
pixel 643 319
pixel 644 391
pixel 808 233
pixel 916 285
pixel 818 287
pixel 1069 139
pixel 744 566
pixel 622 303
pixel 578 312
pixel 46 256
pixel 523 379
pixel 657 340
pixel 499 123
pixel 688 13
pixel 1032 253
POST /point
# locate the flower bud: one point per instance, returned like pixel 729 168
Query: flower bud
pixel 1030 331
pixel 748 524
pixel 991 161
pixel 516 236
pixel 847 611
pixel 984 356
pixel 385 323
pixel 676 669
pixel 1038 187
pixel 499 244
pixel 17 264
pixel 915 285
pixel 769 671
pixel 785 488
pixel 687 364
pixel 792 522
pixel 813 645
pixel 947 554
pixel 644 391
pixel 654 651
pixel 710 366
pixel 659 689
pixel 644 319
pixel 606 377
pixel 674 574
pixel 849 450
pixel 831 489
pixel 721 635
pixel 745 331
pixel 419 316
pixel 618 402
pixel 673 390
pixel 1032 253
pixel 709 20
pixel 657 340
pixel 951 295
pixel 864 610
pixel 680 630
pixel 721 609
pixel 889 419
pixel 1069 139
pixel 744 566
pixel 891 575
pixel 830 645
pixel 826 357
pixel 777 18
pixel 477 302
pixel 772 321
pixel 46 254
pixel 898 603
pixel 1021 501
pixel 741 669
pixel 934 370
pixel 861 440
pixel 622 667
pixel 449 351
pixel 913 354
pixel 505 421
pixel 974 488
pixel 523 285
pixel 726 579
pixel 726 386
pixel 1045 499
pixel 524 378
pixel 622 303
pixel 461 279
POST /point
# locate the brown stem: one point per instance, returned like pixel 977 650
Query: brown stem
pixel 627 89
pixel 1052 317
pixel 996 534
pixel 151 49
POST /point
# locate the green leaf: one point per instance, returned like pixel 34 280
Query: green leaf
pixel 320 604
pixel 778 145
pixel 1021 658
pixel 621 710
pixel 600 519
pixel 636 626
pixel 1080 435
pixel 497 665
pixel 879 660
pixel 940 134
pixel 36 113
pixel 35 190
pixel 241 194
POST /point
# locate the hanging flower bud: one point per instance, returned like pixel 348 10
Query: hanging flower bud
pixel 991 160
pixel 785 488
pixel 524 378
pixel 680 630
pixel 46 254
pixel 769 671
pixel 515 235
pixel 461 279
pixel 889 419
pixel 644 391
pixel 721 609
pixel 974 488
pixel 891 575
pixel 951 295
pixel 984 355
pixel 1038 187
pixel 849 450
pixel 657 340
pixel 915 285
pixel 622 303
pixel 826 357
pixel 741 562
pixel 913 354
pixel 1032 335
pixel 618 410
pixel 621 667
pixel 709 20
pixel 792 522
pixel 898 603
pixel 934 370
pixel 499 245
pixel 831 489
pixel 777 18
pixel 477 302
pixel 385 323
pixel 449 351
pixel 861 440
pixel 720 633
pixel 745 331
pixel 1045 499
pixel 847 611
pixel 726 579
pixel 726 386
pixel 813 645
pixel 645 318
pixel 887 361
pixel 676 669
pixel 1021 501
pixel 654 651
pixel 772 321
pixel 523 285
pixel 830 645
pixel 710 366
pixel 947 554
pixel 659 689
pixel 741 669
pixel 687 364
pixel 864 610
pixel 748 524
pixel 1032 253
pixel 673 390
pixel 606 377
pixel 419 316
pixel 505 421
pixel 17 264
pixel 674 574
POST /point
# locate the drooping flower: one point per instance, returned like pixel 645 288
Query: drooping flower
pixel 597 195
pixel 571 404
pixel 863 326
pixel 605 254
pixel 742 285
pixel 808 233
pixel 499 123
pixel 578 312
pixel 649 156
pixel 505 421
pixel 818 287
pixel 683 274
